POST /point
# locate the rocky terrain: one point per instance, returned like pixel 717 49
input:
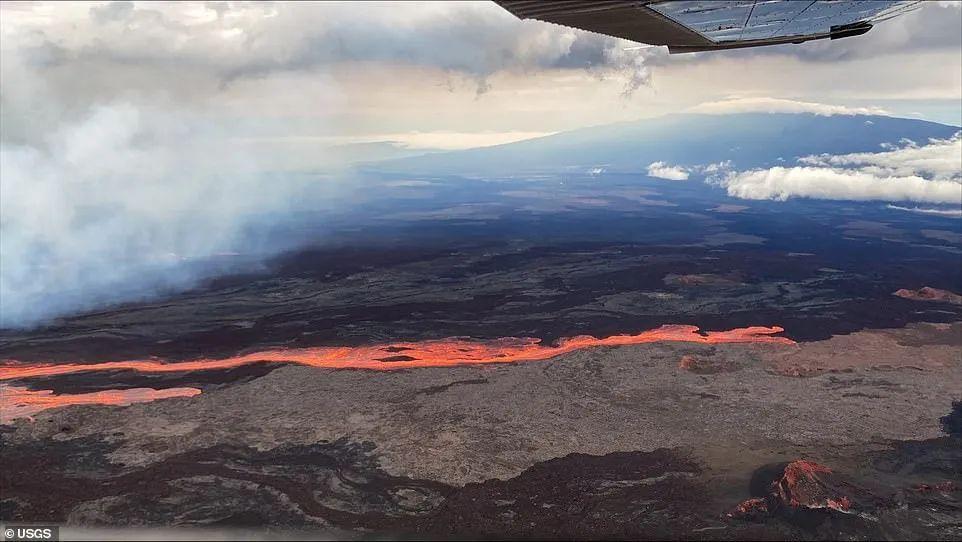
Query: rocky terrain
pixel 526 450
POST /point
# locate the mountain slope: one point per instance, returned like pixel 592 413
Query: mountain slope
pixel 748 140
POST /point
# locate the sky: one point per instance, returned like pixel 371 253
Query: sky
pixel 137 136
pixel 288 78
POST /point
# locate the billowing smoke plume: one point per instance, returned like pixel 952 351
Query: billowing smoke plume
pixel 123 204
pixel 106 199
pixel 122 177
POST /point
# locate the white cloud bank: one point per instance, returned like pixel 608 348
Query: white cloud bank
pixel 662 170
pixel 939 160
pixel 780 183
pixel 926 174
pixel 778 105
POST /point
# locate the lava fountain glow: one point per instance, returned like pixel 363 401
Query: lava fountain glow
pixel 450 352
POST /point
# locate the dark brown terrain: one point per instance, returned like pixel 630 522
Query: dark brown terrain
pixel 809 403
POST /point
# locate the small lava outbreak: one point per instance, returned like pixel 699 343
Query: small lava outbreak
pixel 440 353
pixel 701 365
pixel 16 402
pixel 800 484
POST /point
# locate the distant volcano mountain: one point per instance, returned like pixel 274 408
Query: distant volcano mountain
pixel 747 139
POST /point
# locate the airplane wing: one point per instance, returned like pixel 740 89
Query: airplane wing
pixel 706 25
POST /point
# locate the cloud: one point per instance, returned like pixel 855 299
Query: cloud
pixel 926 174
pixel 780 183
pixel 665 171
pixel 254 40
pixel 940 160
pixel 779 105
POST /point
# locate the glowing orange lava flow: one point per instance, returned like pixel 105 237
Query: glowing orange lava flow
pixel 22 403
pixel 439 353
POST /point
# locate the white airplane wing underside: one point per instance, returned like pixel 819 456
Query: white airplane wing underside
pixel 704 25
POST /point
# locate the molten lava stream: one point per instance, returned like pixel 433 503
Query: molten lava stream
pixel 407 355
pixel 16 402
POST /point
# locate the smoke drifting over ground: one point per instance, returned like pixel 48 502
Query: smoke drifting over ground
pixel 123 204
